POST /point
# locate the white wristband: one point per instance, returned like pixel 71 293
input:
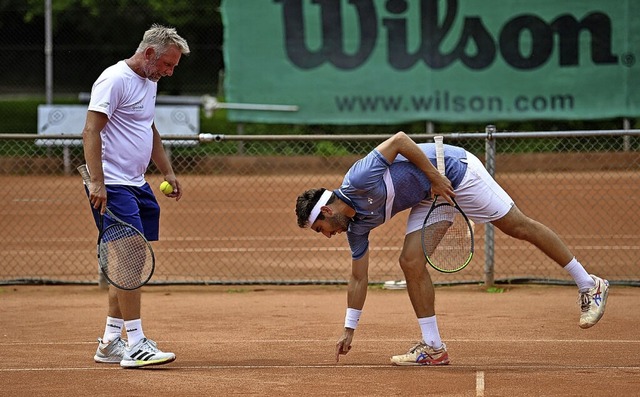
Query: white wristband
pixel 352 318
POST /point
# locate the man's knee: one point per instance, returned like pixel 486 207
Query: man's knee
pixel 521 227
pixel 412 264
pixel 516 224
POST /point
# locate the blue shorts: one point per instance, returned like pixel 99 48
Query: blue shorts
pixel 135 205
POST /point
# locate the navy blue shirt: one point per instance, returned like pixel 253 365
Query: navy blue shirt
pixel 378 190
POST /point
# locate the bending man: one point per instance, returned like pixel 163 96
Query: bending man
pixel 399 175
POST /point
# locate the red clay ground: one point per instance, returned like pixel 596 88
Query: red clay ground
pixel 279 341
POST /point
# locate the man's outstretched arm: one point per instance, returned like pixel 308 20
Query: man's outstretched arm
pixel 356 296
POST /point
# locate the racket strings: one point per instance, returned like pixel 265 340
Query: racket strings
pixel 125 256
pixel 447 239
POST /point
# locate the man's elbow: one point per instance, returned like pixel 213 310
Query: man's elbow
pixel 89 133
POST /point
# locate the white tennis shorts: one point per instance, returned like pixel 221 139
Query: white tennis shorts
pixel 479 196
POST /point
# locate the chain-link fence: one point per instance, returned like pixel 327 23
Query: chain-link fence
pixel 236 222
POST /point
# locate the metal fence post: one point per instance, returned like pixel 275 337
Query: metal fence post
pixel 489 241
pixel 48 51
pixel 626 139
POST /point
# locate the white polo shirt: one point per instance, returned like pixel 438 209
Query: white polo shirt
pixel 128 100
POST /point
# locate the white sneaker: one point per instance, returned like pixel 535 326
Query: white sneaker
pixel 110 353
pixel 144 353
pixel 592 302
pixel 423 354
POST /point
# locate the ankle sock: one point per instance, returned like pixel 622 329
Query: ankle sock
pixel 580 275
pixel 134 331
pixel 430 333
pixel 113 329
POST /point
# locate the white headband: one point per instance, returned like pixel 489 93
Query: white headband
pixel 326 195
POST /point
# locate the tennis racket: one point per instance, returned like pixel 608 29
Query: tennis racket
pixel 125 256
pixel 447 233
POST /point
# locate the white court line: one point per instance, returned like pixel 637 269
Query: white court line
pixel 311 237
pixel 305 249
pixel 314 237
pixel 578 247
pixel 227 341
pixel 480 383
pixel 341 367
pixel 213 249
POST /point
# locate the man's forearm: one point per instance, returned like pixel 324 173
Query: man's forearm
pixel 357 293
pixel 92 147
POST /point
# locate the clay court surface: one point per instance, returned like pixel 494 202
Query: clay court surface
pixel 279 341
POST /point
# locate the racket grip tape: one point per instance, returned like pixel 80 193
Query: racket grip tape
pixel 84 172
pixel 439 153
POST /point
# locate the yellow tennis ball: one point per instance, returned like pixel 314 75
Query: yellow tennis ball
pixel 166 188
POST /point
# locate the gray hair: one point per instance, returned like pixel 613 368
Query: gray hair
pixel 160 38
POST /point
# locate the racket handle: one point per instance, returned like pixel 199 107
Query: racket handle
pixel 84 172
pixel 439 153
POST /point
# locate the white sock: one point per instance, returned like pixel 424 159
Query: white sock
pixel 134 331
pixel 580 276
pixel 113 329
pixel 430 333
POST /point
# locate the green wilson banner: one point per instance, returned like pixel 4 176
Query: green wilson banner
pixel 394 61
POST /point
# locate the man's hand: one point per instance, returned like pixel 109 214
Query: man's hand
pixel 442 188
pixel 177 189
pixel 98 196
pixel 344 343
